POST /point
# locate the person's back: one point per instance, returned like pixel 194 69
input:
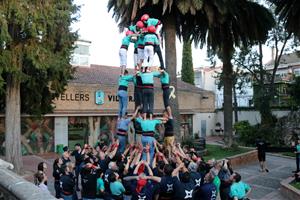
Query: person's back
pixel 183 188
pixel 89 183
pixel 207 191
pixel 238 189
pixel 166 187
pixel 67 183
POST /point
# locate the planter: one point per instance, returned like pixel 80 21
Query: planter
pixel 243 159
pixel 288 190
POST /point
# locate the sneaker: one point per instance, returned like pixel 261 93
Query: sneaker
pixel 267 170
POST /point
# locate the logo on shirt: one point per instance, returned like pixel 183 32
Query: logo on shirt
pixel 198 182
pixel 188 194
pixel 213 195
pixel 141 197
pixel 99 97
pixel 106 177
pixel 169 187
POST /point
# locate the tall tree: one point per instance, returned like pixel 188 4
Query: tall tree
pixel 187 69
pixel 169 12
pixel 289 13
pixel 250 58
pixel 224 25
pixel 36 45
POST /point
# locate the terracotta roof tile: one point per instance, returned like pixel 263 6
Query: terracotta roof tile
pixel 108 75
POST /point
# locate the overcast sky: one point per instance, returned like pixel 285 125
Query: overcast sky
pixel 97 25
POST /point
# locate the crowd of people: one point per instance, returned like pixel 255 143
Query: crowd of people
pixel 145 169
pixel 103 172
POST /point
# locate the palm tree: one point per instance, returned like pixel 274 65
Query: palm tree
pixel 289 12
pixel 169 12
pixel 229 24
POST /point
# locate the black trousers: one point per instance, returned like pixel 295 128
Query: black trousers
pixel 148 100
pixel 138 96
pixel 159 54
pixel 166 95
pixel 297 161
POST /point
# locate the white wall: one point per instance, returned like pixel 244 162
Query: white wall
pixel 210 119
pixel 61 131
pixel 252 116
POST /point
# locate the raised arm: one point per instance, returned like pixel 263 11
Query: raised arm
pixel 176 171
pixel 149 169
pixel 129 178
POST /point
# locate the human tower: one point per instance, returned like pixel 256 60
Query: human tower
pixel 144 35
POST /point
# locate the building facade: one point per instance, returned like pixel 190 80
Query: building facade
pixel 88 109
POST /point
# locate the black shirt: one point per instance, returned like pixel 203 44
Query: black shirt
pixel 166 186
pixel 89 184
pixel 78 157
pixel 197 179
pixel 261 146
pixel 137 127
pixel 67 184
pixel 169 128
pixel 57 172
pixel 183 190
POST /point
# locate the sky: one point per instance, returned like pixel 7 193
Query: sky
pixel 97 25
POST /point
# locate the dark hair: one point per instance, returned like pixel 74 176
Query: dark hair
pixel 55 162
pixel 40 166
pixel 125 71
pixel 65 148
pixel 185 177
pixel 160 165
pixel 168 169
pixel 237 177
pixel 77 145
pixel 112 177
pixel 39 177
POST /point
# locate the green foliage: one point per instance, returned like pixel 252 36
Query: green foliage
pixel 295 91
pixel 289 13
pixel 36 46
pixel 187 70
pixel 219 152
pixel 247 134
pixel 188 141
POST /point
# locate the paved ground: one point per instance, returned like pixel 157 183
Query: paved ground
pixel 265 186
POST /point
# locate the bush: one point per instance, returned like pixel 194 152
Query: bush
pixel 246 133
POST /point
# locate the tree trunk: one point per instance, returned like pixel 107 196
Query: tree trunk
pixel 227 95
pixel 236 117
pixel 171 65
pixel 13 123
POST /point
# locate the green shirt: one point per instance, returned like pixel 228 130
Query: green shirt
pixel 140 40
pixel 148 125
pixel 132 28
pixel 217 183
pixel 126 40
pixel 117 188
pixel 147 77
pixel 165 78
pixel 152 22
pixel 100 185
pixel 239 190
pixel 125 79
pixel 298 147
pixel 151 38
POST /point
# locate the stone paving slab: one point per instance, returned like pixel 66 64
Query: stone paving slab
pixel 266 186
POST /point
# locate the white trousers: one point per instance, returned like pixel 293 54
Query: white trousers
pixel 123 57
pixel 140 56
pixel 135 59
pixel 148 55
